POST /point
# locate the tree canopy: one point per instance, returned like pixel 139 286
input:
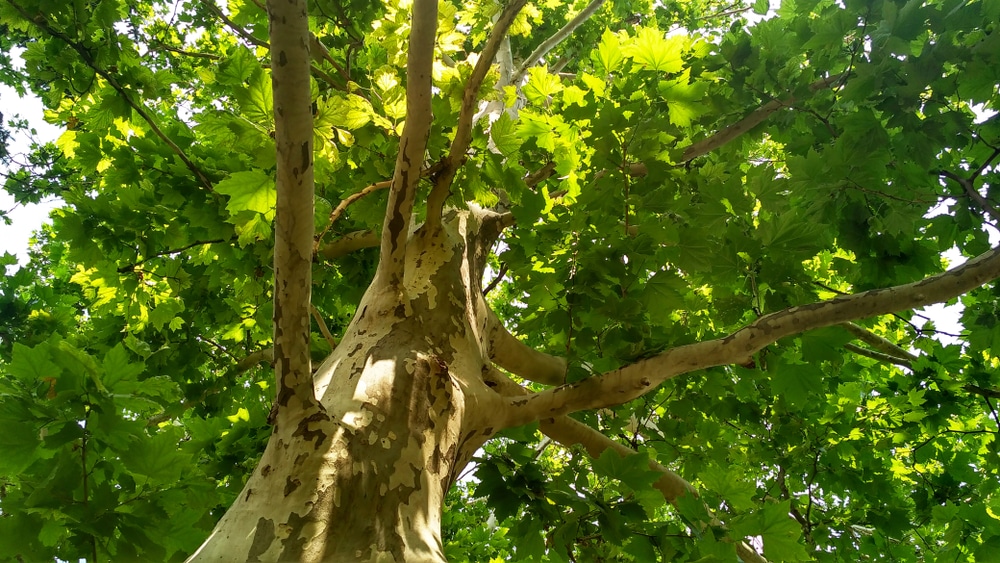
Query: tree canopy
pixel 690 241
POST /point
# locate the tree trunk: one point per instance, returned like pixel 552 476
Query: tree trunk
pixel 406 407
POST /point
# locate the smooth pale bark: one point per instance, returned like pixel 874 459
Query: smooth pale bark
pixel 403 408
pixel 412 144
pixel 470 101
pixel 293 223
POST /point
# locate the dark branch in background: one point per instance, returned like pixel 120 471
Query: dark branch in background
pixel 160 44
pixel 711 143
pixel 412 144
pixel 131 267
pixel 968 185
pixel 246 35
pixel 470 98
pixel 496 281
pixel 42 23
pixel 756 117
pixel 556 38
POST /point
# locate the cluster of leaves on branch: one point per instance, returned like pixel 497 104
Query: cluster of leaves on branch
pixel 676 171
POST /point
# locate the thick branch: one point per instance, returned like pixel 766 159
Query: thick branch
pixel 556 38
pixel 621 385
pixel 349 243
pixel 523 360
pixel 293 221
pixel 470 99
pixel 755 118
pixel 412 144
pixel 569 432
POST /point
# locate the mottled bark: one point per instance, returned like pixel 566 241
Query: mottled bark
pixel 403 408
pixel 293 223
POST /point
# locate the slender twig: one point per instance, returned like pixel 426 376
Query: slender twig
pixel 470 98
pixel 322 326
pixel 880 356
pixel 556 38
pixel 246 35
pixel 131 267
pixel 496 281
pixel 194 54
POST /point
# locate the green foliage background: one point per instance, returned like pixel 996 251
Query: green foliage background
pixel 128 424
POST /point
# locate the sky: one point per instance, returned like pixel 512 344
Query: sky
pixel 26 219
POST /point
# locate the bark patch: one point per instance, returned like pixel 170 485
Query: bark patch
pixel 263 537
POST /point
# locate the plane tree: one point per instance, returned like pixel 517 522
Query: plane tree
pixel 554 281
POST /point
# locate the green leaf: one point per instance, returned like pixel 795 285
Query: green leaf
pixel 729 484
pixel 541 86
pixel 32 364
pixel 119 372
pixel 609 55
pixel 505 136
pixel 156 457
pixel 252 190
pixel 652 51
pixel 761 7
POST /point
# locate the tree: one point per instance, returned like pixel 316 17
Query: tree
pixel 647 270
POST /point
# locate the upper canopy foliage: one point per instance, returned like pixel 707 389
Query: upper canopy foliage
pixel 676 170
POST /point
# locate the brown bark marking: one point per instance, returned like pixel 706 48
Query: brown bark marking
pixel 263 537
pixel 290 485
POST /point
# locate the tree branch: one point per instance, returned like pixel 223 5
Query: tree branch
pixel 246 35
pixel 569 432
pixel 755 118
pixel 523 360
pixel 412 144
pixel 293 221
pixel 556 38
pixel 349 243
pixel 624 384
pixel 264 355
pixel 131 267
pixel 322 326
pixel 968 186
pixel 470 97
pixel 879 343
pixel 879 356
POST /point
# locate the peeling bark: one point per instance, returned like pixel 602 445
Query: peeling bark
pixel 403 409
